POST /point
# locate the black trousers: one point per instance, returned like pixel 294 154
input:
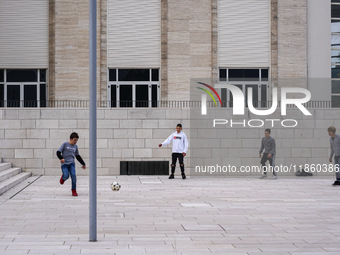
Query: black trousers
pixel 271 162
pixel 180 158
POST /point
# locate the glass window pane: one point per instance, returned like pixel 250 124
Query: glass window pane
pixel 42 95
pixel 236 74
pixel 264 74
pixel 224 97
pixel 335 71
pixel 335 86
pixel 125 95
pixel 42 75
pixel 231 95
pixel 112 75
pixel 255 97
pixel 223 74
pixel 251 74
pixel 142 95
pixel 335 101
pixel 1 95
pixel 335 40
pixel 154 95
pixel 2 75
pixel 335 56
pixel 133 75
pixel 22 75
pixel 244 74
pixel 113 96
pixel 335 1
pixel 155 75
pixel 13 96
pixel 30 96
pixel 335 11
pixel 335 26
pixel 264 96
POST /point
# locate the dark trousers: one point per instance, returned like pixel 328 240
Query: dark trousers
pixel 271 162
pixel 337 165
pixel 180 158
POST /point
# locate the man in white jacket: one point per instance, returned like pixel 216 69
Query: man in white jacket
pixel 179 149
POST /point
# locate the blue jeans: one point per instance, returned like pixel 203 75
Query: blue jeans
pixel 67 170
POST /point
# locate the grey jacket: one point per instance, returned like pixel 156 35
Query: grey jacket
pixel 335 146
pixel 268 145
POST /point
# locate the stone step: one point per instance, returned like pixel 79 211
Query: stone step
pixel 6 174
pixel 5 166
pixel 18 188
pixel 11 182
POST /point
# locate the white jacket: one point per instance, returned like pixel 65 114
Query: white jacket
pixel 179 142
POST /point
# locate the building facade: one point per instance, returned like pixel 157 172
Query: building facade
pixel 149 50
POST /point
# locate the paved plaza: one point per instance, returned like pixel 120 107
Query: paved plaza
pixel 155 215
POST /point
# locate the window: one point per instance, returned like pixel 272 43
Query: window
pixel 133 74
pixel 2 84
pixel 14 75
pixel 335 48
pixel 335 10
pixel 336 56
pixel 243 75
pixel 2 75
pixel 23 88
pixel 256 79
pixel 133 87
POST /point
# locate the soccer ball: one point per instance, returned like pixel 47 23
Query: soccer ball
pixel 115 186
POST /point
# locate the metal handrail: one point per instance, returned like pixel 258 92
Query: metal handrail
pixel 147 104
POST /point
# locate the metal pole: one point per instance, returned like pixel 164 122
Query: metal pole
pixel 93 122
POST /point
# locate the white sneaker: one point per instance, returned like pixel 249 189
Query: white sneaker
pixel 274 177
pixel 264 176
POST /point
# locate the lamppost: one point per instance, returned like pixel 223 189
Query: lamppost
pixel 93 121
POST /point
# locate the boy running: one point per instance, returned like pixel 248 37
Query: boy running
pixel 66 154
pixel 179 149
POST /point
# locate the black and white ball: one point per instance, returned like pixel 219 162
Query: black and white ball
pixel 115 186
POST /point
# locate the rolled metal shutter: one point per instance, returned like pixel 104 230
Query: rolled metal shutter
pixel 134 33
pixel 24 33
pixel 244 33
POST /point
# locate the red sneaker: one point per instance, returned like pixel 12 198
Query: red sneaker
pixel 74 193
pixel 61 180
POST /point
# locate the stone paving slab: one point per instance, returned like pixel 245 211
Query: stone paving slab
pixel 155 215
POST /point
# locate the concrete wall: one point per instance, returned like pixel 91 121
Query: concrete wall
pixel 292 38
pixel 236 145
pixel 30 137
pixel 189 46
pixel 319 53
pixel 69 50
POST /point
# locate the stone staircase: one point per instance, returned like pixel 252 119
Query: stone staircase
pixel 10 176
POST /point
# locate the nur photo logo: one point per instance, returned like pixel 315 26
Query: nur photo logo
pixel 288 96
pixel 204 97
